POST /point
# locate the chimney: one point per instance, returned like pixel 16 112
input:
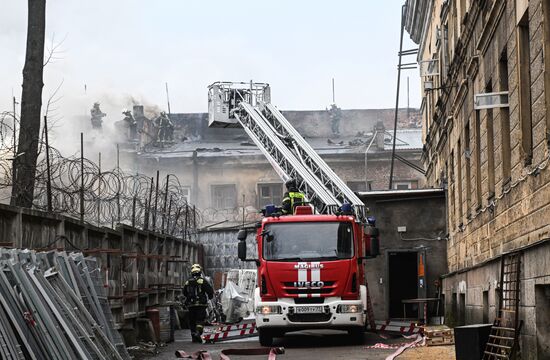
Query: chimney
pixel 138 111
pixel 380 134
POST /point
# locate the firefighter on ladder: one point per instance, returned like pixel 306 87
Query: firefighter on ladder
pixel 197 291
pixel 292 198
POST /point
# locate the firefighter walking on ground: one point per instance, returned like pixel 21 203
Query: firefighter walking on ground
pixel 292 198
pixel 197 291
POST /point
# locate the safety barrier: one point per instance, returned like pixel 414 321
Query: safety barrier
pixel 230 332
pixel 402 327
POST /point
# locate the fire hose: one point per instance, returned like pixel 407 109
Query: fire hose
pixel 224 354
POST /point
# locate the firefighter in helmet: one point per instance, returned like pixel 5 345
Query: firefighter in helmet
pixel 292 198
pixel 197 291
pixel 97 116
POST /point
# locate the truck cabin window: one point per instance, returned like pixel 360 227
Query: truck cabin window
pixel 301 241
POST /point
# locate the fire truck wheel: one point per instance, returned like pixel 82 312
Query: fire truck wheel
pixel 266 337
pixel 356 335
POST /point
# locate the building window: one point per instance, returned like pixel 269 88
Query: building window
pixel 490 147
pixel 468 178
pixel 477 139
pixel 186 193
pixel 270 194
pixel 546 24
pixel 358 186
pixel 459 180
pixel 405 185
pixel 504 113
pixel 524 86
pixel 450 189
pixel 224 196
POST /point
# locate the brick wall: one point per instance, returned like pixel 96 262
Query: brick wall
pixel 516 213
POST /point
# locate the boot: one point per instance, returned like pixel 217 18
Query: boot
pixel 196 338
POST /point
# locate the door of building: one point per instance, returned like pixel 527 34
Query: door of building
pixel 403 282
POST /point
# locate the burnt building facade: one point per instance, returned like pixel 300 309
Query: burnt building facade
pixel 228 178
pixel 486 128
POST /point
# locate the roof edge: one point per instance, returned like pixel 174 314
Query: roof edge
pixel 401 192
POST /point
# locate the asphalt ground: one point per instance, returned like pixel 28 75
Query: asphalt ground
pixel 314 345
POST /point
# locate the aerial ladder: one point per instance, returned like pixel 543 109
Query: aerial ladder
pixel 248 105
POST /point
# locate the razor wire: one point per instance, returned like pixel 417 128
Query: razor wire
pixel 109 196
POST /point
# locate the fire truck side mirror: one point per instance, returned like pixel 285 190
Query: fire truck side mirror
pixel 372 243
pixel 241 235
pixel 242 250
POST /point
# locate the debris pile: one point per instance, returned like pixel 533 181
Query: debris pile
pixel 234 303
pixel 238 294
pixel 53 305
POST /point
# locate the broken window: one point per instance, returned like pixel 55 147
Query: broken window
pixel 358 186
pixel 224 196
pixel 405 185
pixel 270 194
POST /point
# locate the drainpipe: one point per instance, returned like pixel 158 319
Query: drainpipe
pixel 195 188
pixel 366 152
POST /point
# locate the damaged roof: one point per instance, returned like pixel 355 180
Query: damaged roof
pixel 407 139
pixel 238 145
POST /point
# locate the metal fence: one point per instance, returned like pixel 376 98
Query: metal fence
pixel 79 187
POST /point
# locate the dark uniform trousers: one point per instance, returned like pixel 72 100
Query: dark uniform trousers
pixel 197 292
pixel 197 316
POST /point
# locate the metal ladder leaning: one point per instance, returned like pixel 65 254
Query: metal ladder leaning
pixel 503 339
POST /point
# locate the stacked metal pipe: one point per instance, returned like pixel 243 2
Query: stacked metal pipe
pixel 53 306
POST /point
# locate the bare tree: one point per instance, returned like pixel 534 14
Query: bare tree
pixel 52 108
pixel 31 104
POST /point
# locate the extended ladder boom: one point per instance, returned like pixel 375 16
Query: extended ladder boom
pixel 287 151
pixel 313 161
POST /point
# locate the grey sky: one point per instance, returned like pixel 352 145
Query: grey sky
pixel 130 48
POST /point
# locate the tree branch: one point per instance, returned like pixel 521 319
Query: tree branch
pixel 53 50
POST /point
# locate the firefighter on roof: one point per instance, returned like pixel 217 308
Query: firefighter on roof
pixel 292 198
pixel 165 127
pixel 97 116
pixel 197 291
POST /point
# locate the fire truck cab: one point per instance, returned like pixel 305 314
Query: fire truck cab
pixel 310 273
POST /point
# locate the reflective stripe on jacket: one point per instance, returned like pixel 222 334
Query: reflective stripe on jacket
pixel 292 198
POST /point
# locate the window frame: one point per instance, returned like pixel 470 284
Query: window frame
pixel 260 198
pixel 214 187
pixel 409 183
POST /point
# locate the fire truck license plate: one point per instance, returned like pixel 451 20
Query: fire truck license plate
pixel 308 309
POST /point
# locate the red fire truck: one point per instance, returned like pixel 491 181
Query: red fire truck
pixel 310 264
pixel 310 273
